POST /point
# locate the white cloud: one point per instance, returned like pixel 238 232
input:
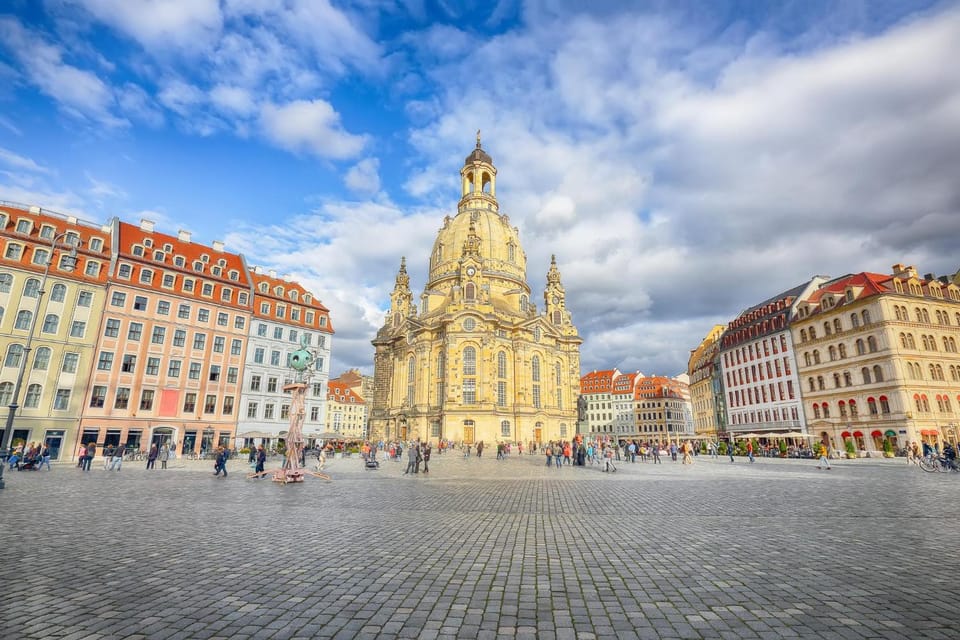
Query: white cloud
pixel 161 24
pixel 17 161
pixel 309 126
pixel 233 100
pixel 363 177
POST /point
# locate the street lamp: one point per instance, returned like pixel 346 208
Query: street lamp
pixel 68 264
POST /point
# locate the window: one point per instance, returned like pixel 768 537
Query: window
pixel 179 261
pixel 41 360
pixel 271 385
pixel 105 361
pixel 78 328
pixel 284 412
pixel 112 328
pixel 169 281
pixel 24 225
pixel 232 373
pixel 32 400
pixel 129 363
pixel 255 383
pixel 293 335
pixel 469 361
pixel 139 303
pixel 242 298
pixel 469 391
pixel 188 285
pixel 183 311
pixel 223 319
pixel 13 251
pixel 238 322
pixel 865 372
pixel 189 403
pixel 158 335
pixel 135 331
pixel 84 298
pixel 146 276
pixel 13 357
pixel 24 318
pixel 163 308
pixel 199 341
pixel 146 399
pixel 124 271
pixel 411 379
pixel 315 414
pixel 118 299
pixel 251 409
pixel 194 372
pixel 501 394
pixel 122 399
pixel 236 347
pixel 179 338
pixel 6 280
pixel 174 369
pixel 262 330
pixel 505 428
pixel 203 315
pixel 207 291
pixel 58 293
pixel 214 372
pixel 228 405
pixel 98 396
pixel 258 355
pixel 210 404
pixel 50 323
pixel 70 361
pixel 278 333
pixel 92 268
pixel 153 366
pixel 219 342
pixel 275 358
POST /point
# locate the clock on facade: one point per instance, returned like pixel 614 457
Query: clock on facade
pixel 556 299
pixel 471 271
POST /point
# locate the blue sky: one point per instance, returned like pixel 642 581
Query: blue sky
pixel 683 160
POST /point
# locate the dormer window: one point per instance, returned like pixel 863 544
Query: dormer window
pixel 215 271
pixel 124 271
pixel 307 298
pixel 168 248
pixel 180 261
pixel 204 258
pixel 198 266
pixel 234 275
pixel 24 226
pixel 96 244
pixel 3 220
pixel 293 295
pixel 158 256
pixel 148 242
pixel 47 232
pixel 264 287
pixel 221 262
pixel 278 291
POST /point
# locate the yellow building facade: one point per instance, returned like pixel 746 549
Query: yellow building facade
pixel 701 368
pixel 476 360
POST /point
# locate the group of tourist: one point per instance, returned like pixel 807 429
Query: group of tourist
pixel 113 456
pixel 33 457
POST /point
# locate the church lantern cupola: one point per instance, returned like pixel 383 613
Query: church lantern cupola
pixel 478 178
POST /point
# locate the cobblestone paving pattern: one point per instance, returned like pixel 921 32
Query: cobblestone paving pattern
pixel 483 549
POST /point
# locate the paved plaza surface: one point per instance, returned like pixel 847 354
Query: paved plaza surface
pixel 483 549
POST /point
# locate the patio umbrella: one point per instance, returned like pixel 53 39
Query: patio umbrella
pixel 796 434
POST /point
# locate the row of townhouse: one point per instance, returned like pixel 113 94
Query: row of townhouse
pixel 866 357
pixel 615 405
pixel 122 334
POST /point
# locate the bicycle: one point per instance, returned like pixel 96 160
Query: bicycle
pixel 937 464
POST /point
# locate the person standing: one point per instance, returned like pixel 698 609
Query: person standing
pixel 730 450
pixel 221 462
pixel 480 449
pixel 116 460
pixel 655 452
pixel 549 452
pixel 45 457
pixel 81 456
pixel 163 454
pixel 673 451
pixel 89 456
pixel 687 449
pixel 107 457
pixel 426 457
pixel 252 458
pixel 412 455
pixel 823 461
pixel 152 456
pixel 750 450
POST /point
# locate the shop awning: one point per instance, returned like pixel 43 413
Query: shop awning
pixel 929 432
pixel 876 434
pixel 858 434
pixel 845 434
pixel 890 432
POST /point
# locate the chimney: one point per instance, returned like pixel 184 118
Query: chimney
pixel 146 225
pixel 272 273
pixel 258 270
pixel 897 269
pixel 218 246
pixel 944 279
pixel 34 209
pixel 183 235
pixel 929 276
pixel 286 277
pixel 71 219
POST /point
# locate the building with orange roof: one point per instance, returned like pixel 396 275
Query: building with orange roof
pixel 171 346
pixel 65 321
pixel 285 316
pixel 662 409
pixel 596 413
pixel 878 359
pixel 347 409
pixel 760 379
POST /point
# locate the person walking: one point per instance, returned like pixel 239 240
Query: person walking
pixel 107 457
pixel 655 452
pixel 163 455
pixel 730 450
pixel 221 462
pixel 81 455
pixel 261 460
pixel 823 461
pixel 750 451
pixel 687 451
pixel 608 461
pixel 673 451
pixel 152 456
pixel 480 449
pixel 549 453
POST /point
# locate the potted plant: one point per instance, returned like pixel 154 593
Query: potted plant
pixel 887 448
pixel 722 448
pixel 783 448
pixel 851 449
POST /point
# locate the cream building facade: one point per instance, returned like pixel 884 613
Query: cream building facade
pixel 476 360
pixel 704 383
pixel 878 359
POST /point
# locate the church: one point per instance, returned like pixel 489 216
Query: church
pixel 474 359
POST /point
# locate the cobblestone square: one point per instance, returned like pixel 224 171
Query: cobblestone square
pixel 481 548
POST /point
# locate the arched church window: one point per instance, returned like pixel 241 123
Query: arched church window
pixel 441 365
pixel 502 364
pixel 524 303
pixel 511 252
pixel 535 368
pixel 469 361
pixel 505 428
pixel 470 292
pixel 556 317
pixel 411 379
